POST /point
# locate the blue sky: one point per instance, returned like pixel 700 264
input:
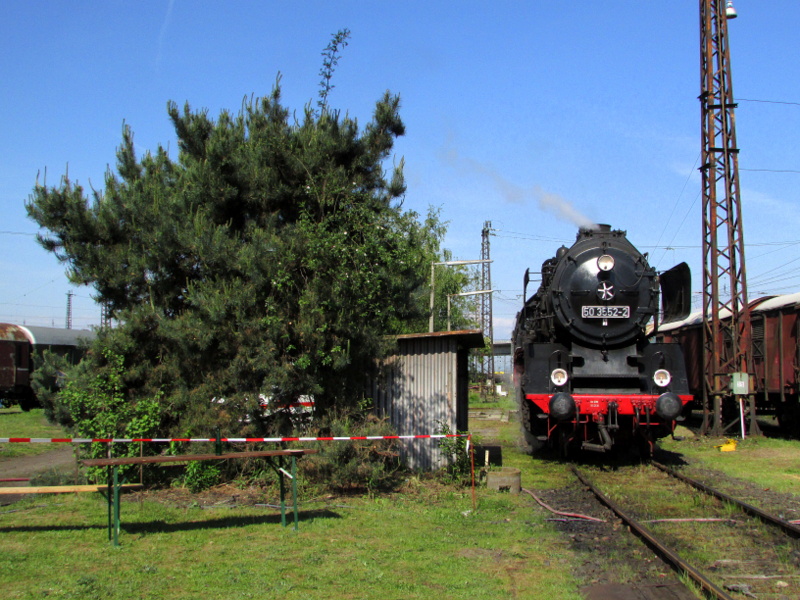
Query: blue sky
pixel 511 109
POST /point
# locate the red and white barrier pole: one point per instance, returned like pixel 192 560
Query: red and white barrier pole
pixel 232 440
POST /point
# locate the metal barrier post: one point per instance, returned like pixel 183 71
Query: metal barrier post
pixel 109 501
pixel 294 489
pixel 283 493
pixel 116 505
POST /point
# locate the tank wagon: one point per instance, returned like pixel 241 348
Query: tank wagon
pixel 586 375
pixel 19 347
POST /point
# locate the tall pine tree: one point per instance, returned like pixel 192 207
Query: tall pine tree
pixel 270 259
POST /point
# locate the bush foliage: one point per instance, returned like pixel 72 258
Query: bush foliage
pixel 269 259
pixel 354 465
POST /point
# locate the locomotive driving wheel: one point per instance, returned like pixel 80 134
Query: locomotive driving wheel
pixel 532 426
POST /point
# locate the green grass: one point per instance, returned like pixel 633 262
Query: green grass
pixel 423 543
pixel 491 401
pixel 16 423
pixel 768 462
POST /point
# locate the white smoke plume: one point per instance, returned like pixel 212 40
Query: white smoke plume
pixel 514 194
pixel 562 208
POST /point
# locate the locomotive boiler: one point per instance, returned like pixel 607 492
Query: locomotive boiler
pixel 585 373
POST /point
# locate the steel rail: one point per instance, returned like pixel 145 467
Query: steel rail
pixel 784 525
pixel 706 585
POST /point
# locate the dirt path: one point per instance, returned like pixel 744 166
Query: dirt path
pixel 61 459
pixel 27 466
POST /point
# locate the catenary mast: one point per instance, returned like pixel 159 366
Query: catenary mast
pixel 487 362
pixel 727 343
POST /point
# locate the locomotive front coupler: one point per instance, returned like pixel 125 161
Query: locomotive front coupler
pixel 604 437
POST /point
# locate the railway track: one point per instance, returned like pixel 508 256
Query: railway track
pixel 788 528
pixel 774 552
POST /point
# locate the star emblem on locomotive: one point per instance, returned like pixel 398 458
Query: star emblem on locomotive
pixel 605 291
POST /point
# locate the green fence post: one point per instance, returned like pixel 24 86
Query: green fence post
pixel 116 505
pixel 109 501
pixel 294 489
pixel 283 492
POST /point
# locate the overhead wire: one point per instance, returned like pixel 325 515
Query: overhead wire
pixel 771 170
pixel 691 208
pixel 767 101
pixel 516 235
pixel 672 212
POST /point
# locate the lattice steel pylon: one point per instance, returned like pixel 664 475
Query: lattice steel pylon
pixel 727 343
pixel 105 315
pixel 68 320
pixel 487 364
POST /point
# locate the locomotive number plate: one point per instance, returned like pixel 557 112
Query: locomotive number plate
pixel 606 312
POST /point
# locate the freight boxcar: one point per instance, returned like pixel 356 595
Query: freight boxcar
pixel 775 328
pixel 19 347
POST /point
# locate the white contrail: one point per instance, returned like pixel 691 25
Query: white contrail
pixel 163 33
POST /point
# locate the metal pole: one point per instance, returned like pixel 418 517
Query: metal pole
pixel 448 264
pixel 430 322
pixel 727 344
pixel 116 505
pixel 487 361
pixel 283 494
pixel 294 489
pixel 110 499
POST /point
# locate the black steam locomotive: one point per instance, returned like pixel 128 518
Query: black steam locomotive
pixel 585 374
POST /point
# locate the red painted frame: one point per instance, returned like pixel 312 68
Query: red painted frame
pixel 598 403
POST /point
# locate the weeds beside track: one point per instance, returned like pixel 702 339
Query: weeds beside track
pixel 707 539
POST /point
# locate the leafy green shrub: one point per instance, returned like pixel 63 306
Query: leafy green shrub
pixel 459 465
pixel 354 465
pixel 201 475
pixel 46 380
pixel 98 408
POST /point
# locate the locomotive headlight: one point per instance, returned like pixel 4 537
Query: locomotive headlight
pixel 559 377
pixel 662 378
pixel 605 262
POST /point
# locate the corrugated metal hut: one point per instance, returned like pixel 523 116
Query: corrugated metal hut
pixel 426 385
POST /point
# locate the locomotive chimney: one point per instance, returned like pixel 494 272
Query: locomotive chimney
pixel 596 228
